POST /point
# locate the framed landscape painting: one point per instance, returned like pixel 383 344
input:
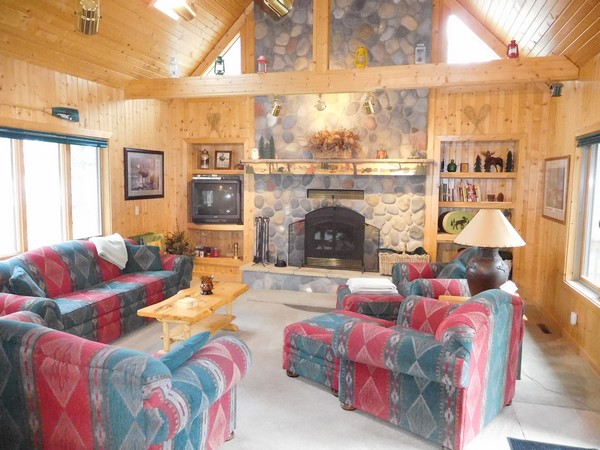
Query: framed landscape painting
pixel 144 174
pixel 556 178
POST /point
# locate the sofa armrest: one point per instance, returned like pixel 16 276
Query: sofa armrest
pixel 434 287
pixel 182 264
pixel 401 350
pixel 409 271
pixel 46 308
pixel 24 316
pixel 212 371
pixel 379 306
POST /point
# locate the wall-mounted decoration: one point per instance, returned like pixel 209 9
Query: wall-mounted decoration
pixel 219 66
pixel 556 178
pixel 361 57
pixel 512 50
pixel 144 174
pixel 477 118
pixel 214 120
pixel 420 54
pixel 222 159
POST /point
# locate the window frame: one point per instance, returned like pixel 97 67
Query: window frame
pixel 585 155
pixel 64 154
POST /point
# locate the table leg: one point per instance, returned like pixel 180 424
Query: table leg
pixel 230 326
pixel 166 337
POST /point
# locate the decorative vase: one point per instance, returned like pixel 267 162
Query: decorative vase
pixel 206 284
pixel 451 166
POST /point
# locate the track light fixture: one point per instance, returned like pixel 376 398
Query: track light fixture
pixel 276 107
pixel 368 105
pixel 88 16
pixel 280 7
pixel 320 105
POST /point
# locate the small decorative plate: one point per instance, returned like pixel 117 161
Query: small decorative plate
pixel 455 221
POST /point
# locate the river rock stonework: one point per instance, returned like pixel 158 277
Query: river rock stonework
pixel 395 205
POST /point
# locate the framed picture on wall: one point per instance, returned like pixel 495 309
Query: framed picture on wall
pixel 222 159
pixel 144 174
pixel 556 179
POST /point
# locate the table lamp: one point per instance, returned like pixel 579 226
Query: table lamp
pixel 489 230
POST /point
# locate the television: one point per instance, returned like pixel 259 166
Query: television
pixel 217 199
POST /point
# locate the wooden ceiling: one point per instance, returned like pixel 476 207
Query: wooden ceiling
pixel 136 42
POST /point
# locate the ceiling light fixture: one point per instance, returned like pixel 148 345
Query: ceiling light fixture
pixel 175 9
pixel 88 16
pixel 280 7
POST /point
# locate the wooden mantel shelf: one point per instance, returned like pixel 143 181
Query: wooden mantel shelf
pixel 404 167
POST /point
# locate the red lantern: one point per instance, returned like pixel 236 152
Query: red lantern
pixel 513 50
pixel 261 63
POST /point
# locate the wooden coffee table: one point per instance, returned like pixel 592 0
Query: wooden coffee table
pixel 179 322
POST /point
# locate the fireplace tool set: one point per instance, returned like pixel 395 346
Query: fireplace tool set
pixel 261 239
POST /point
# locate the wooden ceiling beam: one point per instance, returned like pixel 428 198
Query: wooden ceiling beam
pixel 423 76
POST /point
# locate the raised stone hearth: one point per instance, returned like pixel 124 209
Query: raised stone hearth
pixel 302 279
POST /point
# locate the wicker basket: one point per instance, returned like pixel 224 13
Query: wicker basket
pixel 387 260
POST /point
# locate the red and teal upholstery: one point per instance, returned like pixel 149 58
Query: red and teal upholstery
pixel 307 346
pixel 77 291
pixel 443 372
pixel 60 391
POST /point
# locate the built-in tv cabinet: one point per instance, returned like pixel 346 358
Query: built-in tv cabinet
pixel 222 236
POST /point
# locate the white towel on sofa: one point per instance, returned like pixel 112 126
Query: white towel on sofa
pixel 111 248
pixel 367 285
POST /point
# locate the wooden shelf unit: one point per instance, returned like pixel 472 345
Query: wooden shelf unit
pixel 465 149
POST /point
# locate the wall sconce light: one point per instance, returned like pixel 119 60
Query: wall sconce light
pixel 280 7
pixel 361 57
pixel 261 64
pixel 219 66
pixel 320 105
pixel 276 107
pixel 175 9
pixel 368 105
pixel 88 16
pixel 556 89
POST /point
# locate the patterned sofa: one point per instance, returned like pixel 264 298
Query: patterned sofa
pixel 75 290
pixel 60 391
pixel 443 372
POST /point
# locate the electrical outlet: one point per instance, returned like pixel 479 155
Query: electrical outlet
pixel 573 318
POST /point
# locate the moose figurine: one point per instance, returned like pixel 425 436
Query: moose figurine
pixel 492 161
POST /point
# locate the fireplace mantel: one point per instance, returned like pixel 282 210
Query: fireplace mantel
pixel 393 167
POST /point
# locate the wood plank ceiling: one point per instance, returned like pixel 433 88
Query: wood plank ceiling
pixel 136 42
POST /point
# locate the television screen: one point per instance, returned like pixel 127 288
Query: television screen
pixel 217 200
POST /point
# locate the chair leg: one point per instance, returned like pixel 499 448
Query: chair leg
pixel 230 437
pixel 291 373
pixel 347 407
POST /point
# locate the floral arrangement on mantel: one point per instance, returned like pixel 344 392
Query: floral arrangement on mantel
pixel 340 143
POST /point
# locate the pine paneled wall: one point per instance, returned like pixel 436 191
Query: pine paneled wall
pixel 27 90
pixel 575 113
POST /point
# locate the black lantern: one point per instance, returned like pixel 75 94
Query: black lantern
pixel 219 66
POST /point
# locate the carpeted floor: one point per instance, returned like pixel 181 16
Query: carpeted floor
pixel 276 412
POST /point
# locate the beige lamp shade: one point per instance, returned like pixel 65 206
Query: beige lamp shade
pixel 489 228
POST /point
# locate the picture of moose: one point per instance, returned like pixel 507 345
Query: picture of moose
pixel 460 223
pixel 492 161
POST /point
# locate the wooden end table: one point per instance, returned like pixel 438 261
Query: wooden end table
pixel 180 322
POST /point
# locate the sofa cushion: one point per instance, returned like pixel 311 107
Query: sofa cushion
pixel 453 270
pixel 184 351
pixel 22 284
pixel 141 258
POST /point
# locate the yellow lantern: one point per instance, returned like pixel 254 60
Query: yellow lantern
pixel 361 58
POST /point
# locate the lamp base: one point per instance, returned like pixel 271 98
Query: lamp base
pixel 486 270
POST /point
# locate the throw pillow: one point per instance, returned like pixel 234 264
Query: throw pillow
pixel 180 354
pixel 142 258
pixel 22 284
pixel 453 270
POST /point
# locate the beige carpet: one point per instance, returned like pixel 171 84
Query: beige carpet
pixel 276 412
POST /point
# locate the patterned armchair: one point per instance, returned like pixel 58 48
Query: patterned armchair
pixel 443 372
pixel 58 390
pixel 427 279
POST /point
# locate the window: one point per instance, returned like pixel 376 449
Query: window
pixel 232 59
pixel 587 253
pixel 51 191
pixel 464 46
